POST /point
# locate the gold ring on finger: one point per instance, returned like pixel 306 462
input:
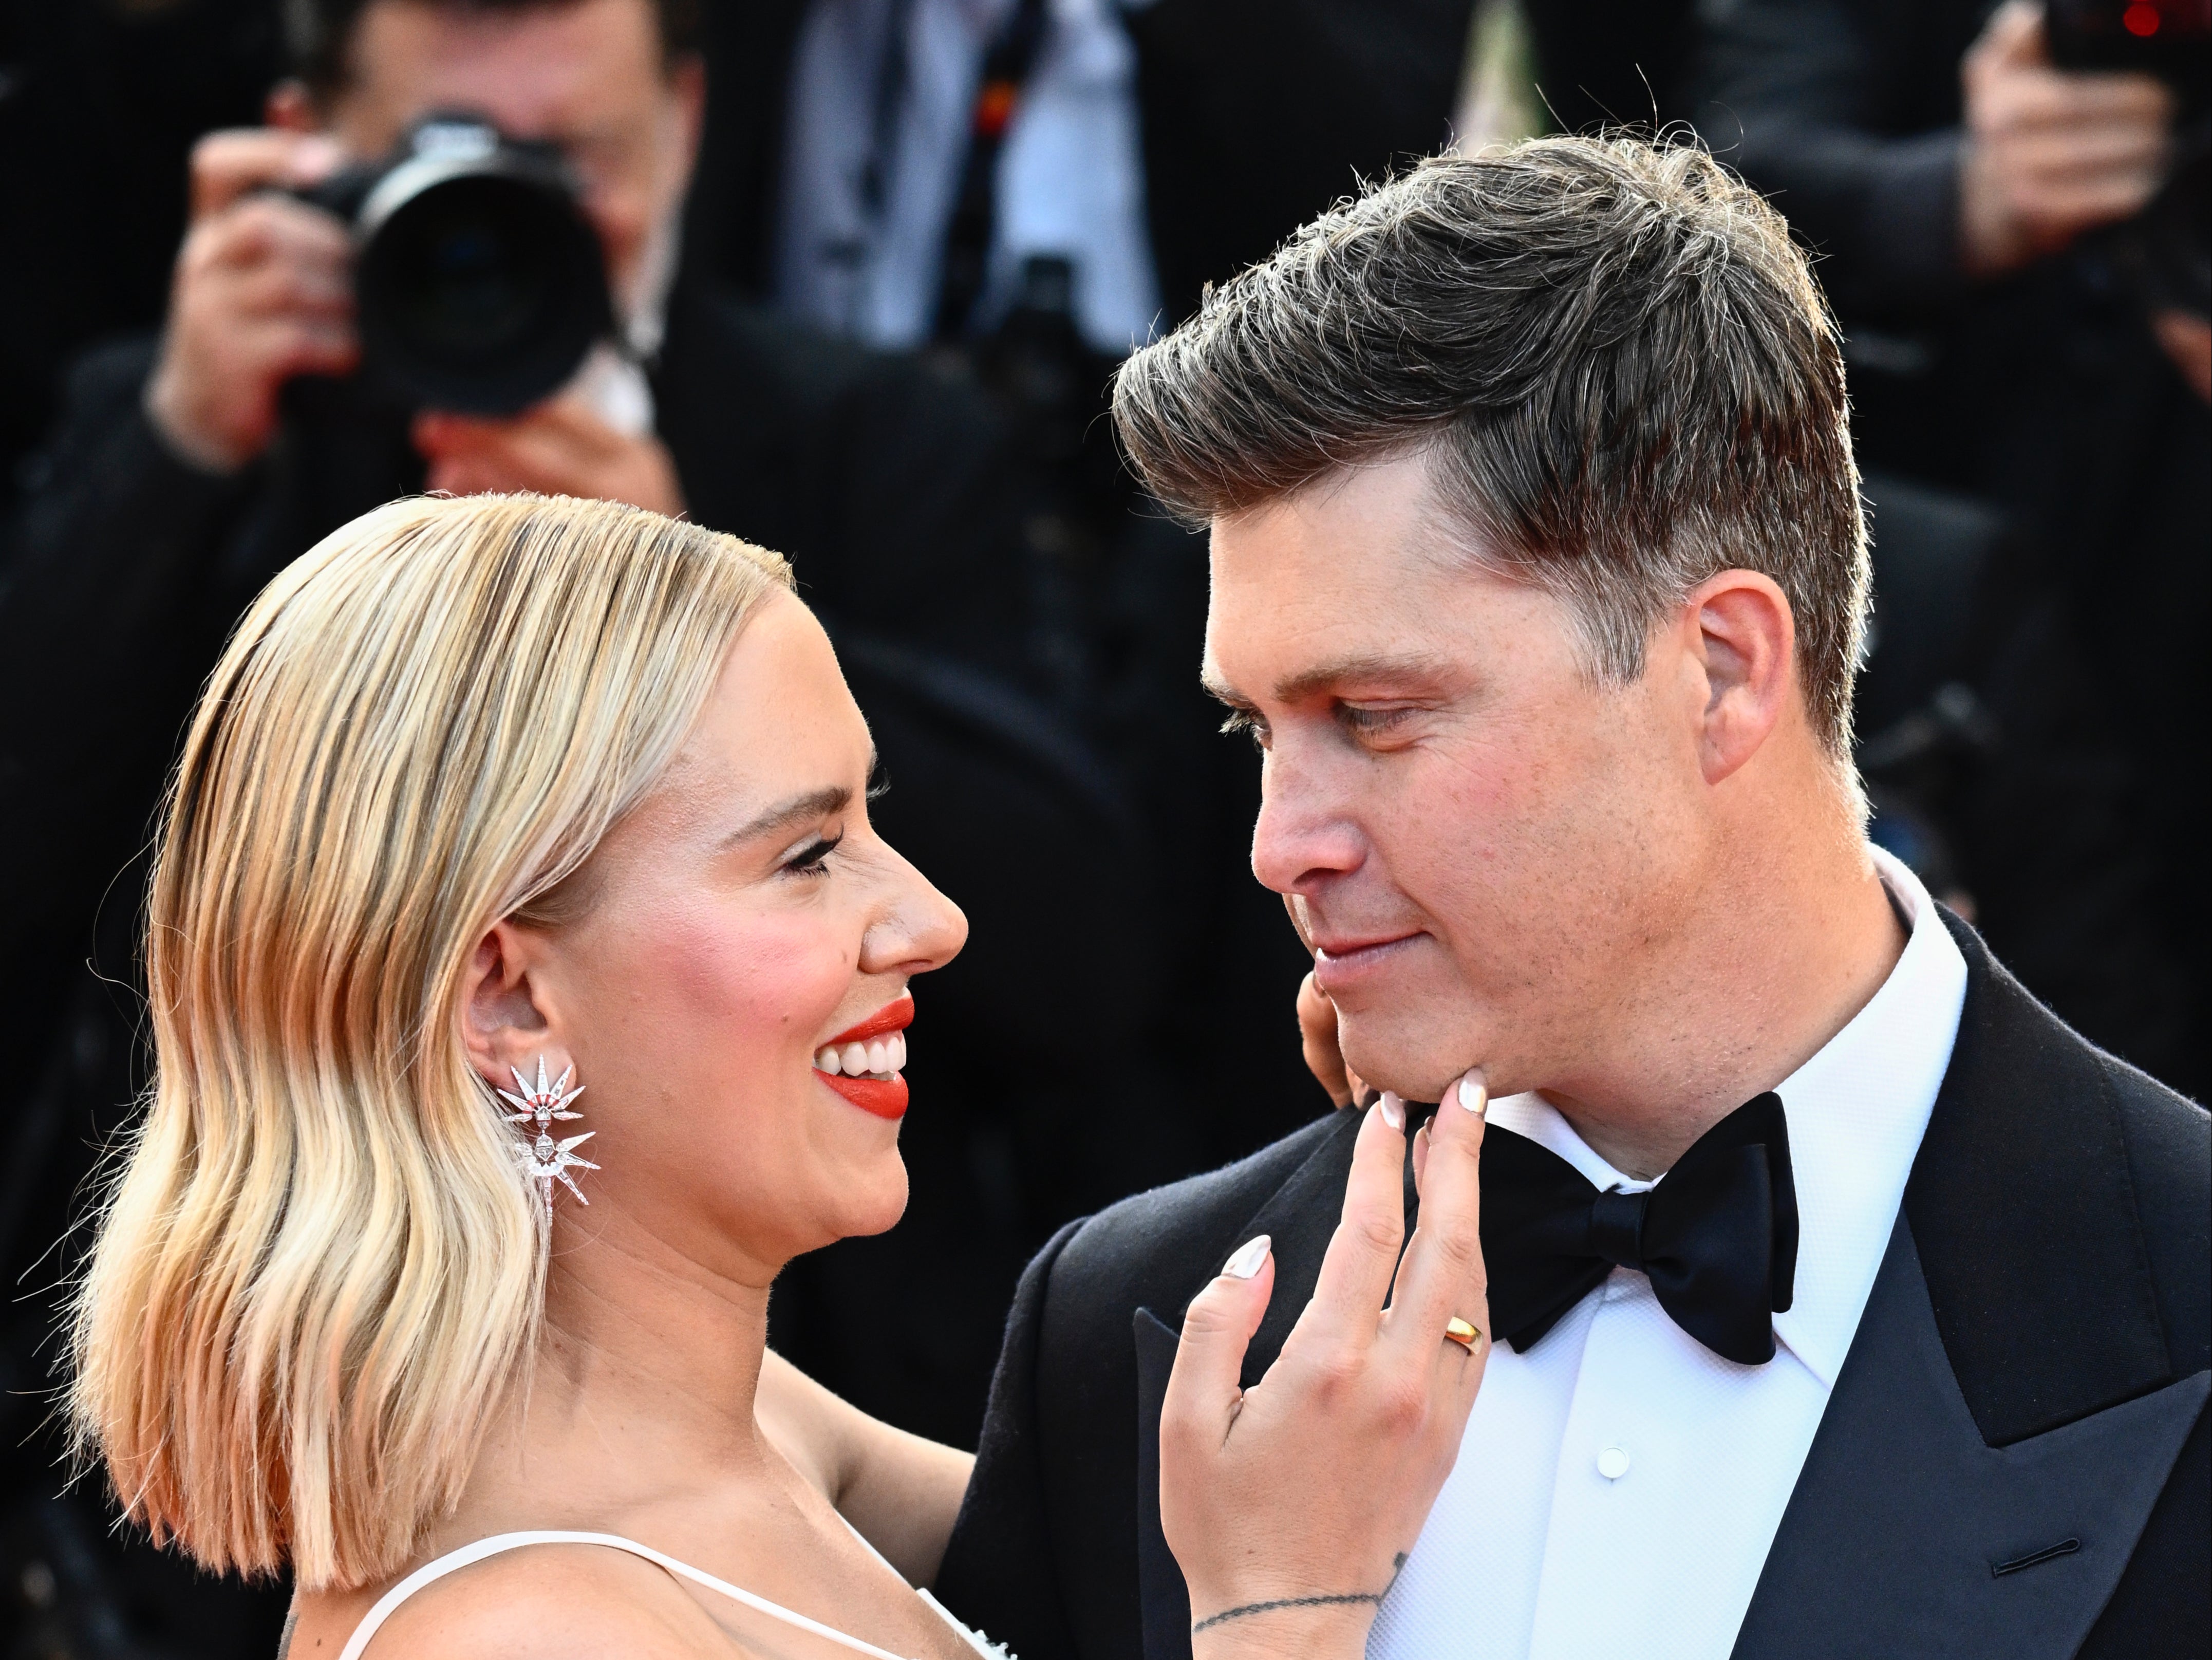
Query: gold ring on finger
pixel 1463 1332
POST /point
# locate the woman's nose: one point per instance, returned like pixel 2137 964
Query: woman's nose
pixel 920 929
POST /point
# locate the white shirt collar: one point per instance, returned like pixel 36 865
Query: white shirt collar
pixel 1856 1111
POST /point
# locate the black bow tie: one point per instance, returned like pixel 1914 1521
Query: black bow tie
pixel 1718 1236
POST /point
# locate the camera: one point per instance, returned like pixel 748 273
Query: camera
pixel 2168 38
pixel 2165 253
pixel 479 285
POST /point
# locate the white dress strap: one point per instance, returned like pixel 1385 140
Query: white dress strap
pixel 468 1556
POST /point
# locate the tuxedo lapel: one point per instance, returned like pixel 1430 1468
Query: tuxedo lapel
pixel 2024 1206
pixel 2012 1404
pixel 1909 1535
pixel 1300 1217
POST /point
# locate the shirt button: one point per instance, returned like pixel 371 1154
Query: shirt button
pixel 1612 1464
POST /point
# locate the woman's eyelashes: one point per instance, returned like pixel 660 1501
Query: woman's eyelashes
pixel 810 860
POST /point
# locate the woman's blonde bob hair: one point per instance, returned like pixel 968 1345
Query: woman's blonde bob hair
pixel 320 1268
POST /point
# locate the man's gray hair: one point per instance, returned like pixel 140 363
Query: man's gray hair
pixel 1614 357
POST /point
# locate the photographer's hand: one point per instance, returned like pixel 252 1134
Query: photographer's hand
pixel 2050 153
pixel 562 447
pixel 1292 1505
pixel 263 291
pixel 2186 339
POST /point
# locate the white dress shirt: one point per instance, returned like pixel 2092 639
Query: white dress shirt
pixel 1069 175
pixel 1620 1485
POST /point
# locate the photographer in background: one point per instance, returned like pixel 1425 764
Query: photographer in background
pixel 264 288
pixel 2009 205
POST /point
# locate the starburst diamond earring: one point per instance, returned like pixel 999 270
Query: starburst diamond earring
pixel 544 1161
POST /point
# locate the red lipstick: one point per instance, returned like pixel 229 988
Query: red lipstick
pixel 894 1016
pixel 883 1097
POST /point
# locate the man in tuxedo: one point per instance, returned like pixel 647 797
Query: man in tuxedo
pixel 1845 1302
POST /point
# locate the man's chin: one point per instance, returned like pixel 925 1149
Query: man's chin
pixel 1417 1065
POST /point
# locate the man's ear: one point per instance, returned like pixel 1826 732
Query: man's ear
pixel 687 83
pixel 1741 634
pixel 291 108
pixel 504 1023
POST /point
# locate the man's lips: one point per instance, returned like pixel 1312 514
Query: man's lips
pixel 886 1098
pixel 1341 962
pixel 1347 948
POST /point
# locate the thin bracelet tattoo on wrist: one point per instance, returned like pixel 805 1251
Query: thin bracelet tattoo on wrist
pixel 1340 1599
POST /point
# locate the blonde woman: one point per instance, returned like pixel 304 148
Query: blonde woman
pixel 528 987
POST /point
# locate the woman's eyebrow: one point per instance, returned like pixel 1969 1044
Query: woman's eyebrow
pixel 786 815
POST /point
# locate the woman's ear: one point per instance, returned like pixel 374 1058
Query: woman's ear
pixel 505 1025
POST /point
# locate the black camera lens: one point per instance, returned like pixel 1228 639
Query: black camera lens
pixel 479 285
pixel 481 292
pixel 457 264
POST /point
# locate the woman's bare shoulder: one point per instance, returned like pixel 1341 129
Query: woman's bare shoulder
pixel 540 1602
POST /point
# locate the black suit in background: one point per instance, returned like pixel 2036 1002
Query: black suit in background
pixel 2032 1368
pixel 1255 114
pixel 887 483
pixel 2044 396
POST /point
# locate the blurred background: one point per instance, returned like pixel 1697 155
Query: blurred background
pixel 849 277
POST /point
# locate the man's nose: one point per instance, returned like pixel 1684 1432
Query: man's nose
pixel 1307 830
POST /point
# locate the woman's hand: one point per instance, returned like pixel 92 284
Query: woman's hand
pixel 1292 1505
pixel 1324 1058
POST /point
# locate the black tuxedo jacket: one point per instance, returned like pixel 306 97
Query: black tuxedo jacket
pixel 2015 1460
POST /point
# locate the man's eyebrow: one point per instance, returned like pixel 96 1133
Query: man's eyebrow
pixel 1221 692
pixel 815 804
pixel 1366 667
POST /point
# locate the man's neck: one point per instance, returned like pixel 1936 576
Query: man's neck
pixel 1774 970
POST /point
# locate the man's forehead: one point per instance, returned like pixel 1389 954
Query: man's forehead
pixel 538 72
pixel 1355 622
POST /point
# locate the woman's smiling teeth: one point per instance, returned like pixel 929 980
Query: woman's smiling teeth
pixel 879 1057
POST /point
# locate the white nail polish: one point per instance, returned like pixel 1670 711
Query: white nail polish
pixel 1245 1261
pixel 1473 1096
pixel 1393 1110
